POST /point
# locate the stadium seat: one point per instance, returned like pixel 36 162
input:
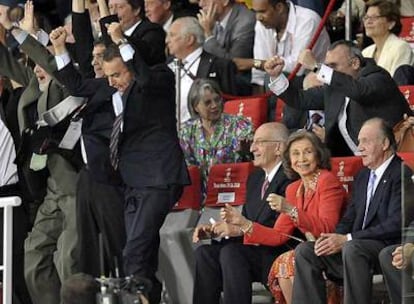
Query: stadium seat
pixel 280 104
pixel 345 168
pixel 176 258
pixel 408 92
pixel 407 31
pixel 253 108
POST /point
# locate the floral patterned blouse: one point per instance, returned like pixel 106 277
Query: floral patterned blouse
pixel 221 147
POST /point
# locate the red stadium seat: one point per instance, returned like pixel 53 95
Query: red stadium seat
pixel 345 168
pixel 280 104
pixel 227 184
pixel 191 198
pixel 407 31
pixel 408 158
pixel 253 108
pixel 408 92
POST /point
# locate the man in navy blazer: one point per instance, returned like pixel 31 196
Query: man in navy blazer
pixel 230 266
pixel 151 163
pixel 371 222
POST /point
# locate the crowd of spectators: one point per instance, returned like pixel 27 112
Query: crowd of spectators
pixel 104 104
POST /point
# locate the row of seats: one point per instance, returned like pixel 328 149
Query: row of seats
pixel 407 31
pixel 255 108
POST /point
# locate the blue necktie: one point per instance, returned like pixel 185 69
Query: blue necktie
pixel 370 194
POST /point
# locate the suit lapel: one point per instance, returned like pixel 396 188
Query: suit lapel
pixel 204 65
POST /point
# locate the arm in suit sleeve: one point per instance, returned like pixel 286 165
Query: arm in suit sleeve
pixel 228 83
pixel 82 32
pixel 368 89
pixel 297 98
pixel 242 39
pixel 11 68
pixel 39 54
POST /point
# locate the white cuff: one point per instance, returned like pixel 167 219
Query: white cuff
pixel 21 36
pixel 62 60
pixel 279 85
pixel 325 74
pixel 127 51
pixel 349 237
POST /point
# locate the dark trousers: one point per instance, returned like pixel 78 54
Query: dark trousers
pixel 145 212
pixel 355 265
pixel 100 211
pixel 231 268
pixel 398 282
pixel 21 226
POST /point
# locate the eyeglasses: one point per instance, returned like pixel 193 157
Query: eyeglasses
pixel 373 18
pixel 261 142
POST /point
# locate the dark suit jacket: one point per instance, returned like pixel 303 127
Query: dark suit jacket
pixel 238 37
pixel 373 94
pixel 148 39
pixel 223 71
pixel 149 150
pixel 384 214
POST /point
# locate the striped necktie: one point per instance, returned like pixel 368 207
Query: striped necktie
pixel 370 194
pixel 114 141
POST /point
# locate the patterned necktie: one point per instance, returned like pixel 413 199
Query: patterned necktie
pixel 370 194
pixel 113 144
pixel 219 31
pixel 265 186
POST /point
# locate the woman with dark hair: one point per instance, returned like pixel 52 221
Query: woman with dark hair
pixel 211 136
pixel 382 24
pixel 313 205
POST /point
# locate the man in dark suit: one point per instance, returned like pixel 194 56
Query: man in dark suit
pixel 229 265
pixel 147 38
pixel 353 89
pixel 147 154
pixel 371 222
pixel 184 40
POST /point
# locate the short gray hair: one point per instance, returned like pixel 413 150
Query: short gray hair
pixel 197 92
pixel 191 26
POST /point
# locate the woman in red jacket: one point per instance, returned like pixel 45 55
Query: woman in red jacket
pixel 313 205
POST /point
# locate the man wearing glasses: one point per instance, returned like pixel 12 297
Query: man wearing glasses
pixel 352 89
pixel 213 272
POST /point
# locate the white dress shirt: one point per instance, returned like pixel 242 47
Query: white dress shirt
pixel 8 169
pixel 300 28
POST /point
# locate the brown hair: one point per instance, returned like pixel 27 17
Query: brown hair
pixel 388 10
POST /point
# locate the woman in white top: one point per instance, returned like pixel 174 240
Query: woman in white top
pixel 382 23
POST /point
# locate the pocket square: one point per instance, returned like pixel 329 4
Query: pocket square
pixel 212 74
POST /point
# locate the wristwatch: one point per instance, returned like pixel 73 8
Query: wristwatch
pixel 258 64
pixel 293 213
pixel 122 41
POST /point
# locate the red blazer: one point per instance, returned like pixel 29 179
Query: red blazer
pixel 320 214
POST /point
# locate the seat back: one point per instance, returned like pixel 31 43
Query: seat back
pixel 253 108
pixel 191 197
pixel 345 168
pixel 227 184
pixel 408 92
pixel 408 158
pixel 407 31
pixel 280 104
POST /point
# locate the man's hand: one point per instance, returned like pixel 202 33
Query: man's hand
pixel 223 229
pixel 402 255
pixel 58 38
pixel 329 243
pixel 202 232
pixel 115 32
pixel 307 59
pixel 311 81
pixel 27 23
pixel 274 66
pixel 231 215
pixel 207 19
